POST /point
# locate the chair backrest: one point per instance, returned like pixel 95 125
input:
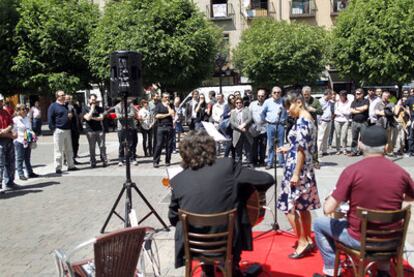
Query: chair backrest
pixel 388 241
pixel 208 246
pixel 116 253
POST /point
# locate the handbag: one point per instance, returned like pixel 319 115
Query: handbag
pixel 33 145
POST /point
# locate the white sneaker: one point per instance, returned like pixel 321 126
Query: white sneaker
pixel 120 164
pixel 135 162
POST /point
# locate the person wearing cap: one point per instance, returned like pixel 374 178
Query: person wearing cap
pixel 374 183
pixel 7 154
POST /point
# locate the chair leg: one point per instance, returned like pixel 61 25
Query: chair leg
pixel 188 268
pixel 229 268
pixel 361 268
pixel 399 267
pixel 336 266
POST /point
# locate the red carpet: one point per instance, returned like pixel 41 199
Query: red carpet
pixel 271 251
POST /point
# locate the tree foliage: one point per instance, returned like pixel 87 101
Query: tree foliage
pixel 272 52
pixel 53 36
pixel 8 20
pixel 373 41
pixel 177 43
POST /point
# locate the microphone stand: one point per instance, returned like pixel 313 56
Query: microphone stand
pixel 275 224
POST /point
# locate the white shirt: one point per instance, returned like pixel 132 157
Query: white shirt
pixel 194 106
pixel 35 112
pixel 342 111
pixel 20 126
pixel 147 118
pixel 217 112
pixel 373 108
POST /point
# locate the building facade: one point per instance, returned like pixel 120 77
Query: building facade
pixel 234 16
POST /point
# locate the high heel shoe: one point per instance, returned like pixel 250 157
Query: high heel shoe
pixel 302 254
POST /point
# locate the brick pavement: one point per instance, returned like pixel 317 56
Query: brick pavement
pixel 61 211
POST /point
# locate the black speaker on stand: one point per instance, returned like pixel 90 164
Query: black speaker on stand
pixel 126 81
pixel 126 74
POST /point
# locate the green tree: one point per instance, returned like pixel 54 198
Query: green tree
pixel 373 41
pixel 53 36
pixel 272 52
pixel 8 49
pixel 177 43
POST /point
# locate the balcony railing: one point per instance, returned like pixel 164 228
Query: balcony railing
pixel 302 8
pixel 260 9
pixel 220 11
pixel 338 5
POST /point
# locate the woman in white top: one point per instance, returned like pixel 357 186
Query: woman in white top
pixel 342 114
pixel 22 144
pixel 147 122
pixel 35 116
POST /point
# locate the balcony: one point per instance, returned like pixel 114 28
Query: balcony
pixel 260 9
pixel 301 9
pixel 220 12
pixel 337 6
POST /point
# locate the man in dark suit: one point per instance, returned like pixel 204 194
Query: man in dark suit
pixel 190 109
pixel 240 121
pixel 207 185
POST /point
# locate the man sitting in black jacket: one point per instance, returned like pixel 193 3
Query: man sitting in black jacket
pixel 207 185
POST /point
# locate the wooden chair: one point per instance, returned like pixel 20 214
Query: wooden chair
pixel 214 249
pixel 115 254
pixel 377 245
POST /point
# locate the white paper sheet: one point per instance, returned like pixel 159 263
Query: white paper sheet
pixel 213 132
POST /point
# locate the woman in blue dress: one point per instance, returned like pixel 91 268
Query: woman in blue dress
pixel 299 193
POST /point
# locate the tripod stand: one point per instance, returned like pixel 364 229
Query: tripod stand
pixel 129 185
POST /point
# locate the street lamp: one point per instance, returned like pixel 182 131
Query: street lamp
pixel 220 61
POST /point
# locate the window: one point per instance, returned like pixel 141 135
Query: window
pixel 302 8
pixel 219 8
pixel 226 43
pixel 339 5
pixel 259 4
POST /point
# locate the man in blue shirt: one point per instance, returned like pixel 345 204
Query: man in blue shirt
pixel 324 125
pixel 258 130
pixel 58 118
pixel 274 114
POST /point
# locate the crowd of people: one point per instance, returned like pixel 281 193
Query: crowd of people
pixel 374 183
pixel 291 131
pixel 254 127
pixel 17 139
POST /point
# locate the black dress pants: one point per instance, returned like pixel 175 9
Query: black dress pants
pixel 132 133
pixel 75 142
pixel 258 153
pixel 147 141
pixel 164 137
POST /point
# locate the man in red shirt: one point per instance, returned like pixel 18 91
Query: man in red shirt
pixel 7 156
pixel 373 183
